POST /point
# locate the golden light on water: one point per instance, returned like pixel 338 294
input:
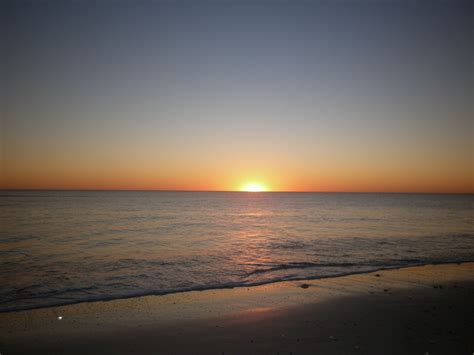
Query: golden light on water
pixel 254 187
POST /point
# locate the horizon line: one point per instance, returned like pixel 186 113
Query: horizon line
pixel 250 192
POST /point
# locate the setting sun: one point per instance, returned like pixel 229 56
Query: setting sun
pixel 254 187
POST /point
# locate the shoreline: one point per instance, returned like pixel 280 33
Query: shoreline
pixel 410 310
pixel 230 286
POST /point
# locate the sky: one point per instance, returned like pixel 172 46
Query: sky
pixel 215 95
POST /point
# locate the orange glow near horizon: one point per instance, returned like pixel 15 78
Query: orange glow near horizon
pixel 239 174
pixel 271 180
pixel 254 187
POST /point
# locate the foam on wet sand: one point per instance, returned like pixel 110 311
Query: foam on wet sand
pixel 426 309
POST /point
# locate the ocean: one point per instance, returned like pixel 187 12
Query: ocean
pixel 62 247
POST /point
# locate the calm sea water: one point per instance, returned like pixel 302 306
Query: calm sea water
pixel 59 247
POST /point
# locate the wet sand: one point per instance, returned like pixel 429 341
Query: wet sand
pixel 417 310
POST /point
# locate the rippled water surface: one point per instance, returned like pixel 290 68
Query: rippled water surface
pixel 71 246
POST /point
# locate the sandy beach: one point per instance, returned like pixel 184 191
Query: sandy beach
pixel 416 310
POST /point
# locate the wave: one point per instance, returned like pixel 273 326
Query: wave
pixel 228 285
pixel 305 265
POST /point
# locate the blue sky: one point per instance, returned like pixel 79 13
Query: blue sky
pixel 318 95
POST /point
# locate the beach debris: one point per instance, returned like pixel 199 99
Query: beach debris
pixel 377 275
pixel 305 286
pixel 60 317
